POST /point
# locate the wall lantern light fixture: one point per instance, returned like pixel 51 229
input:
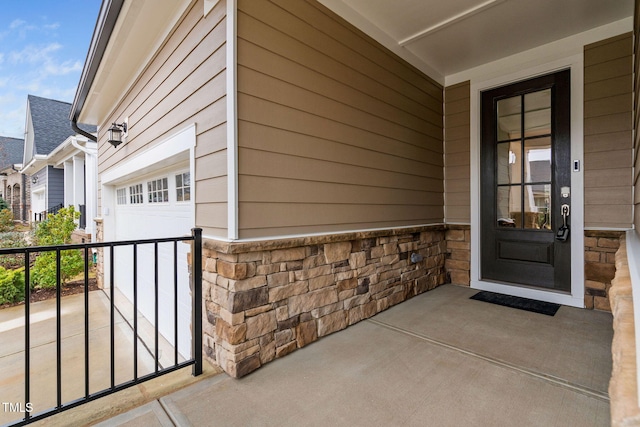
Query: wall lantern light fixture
pixel 115 134
pixel 34 180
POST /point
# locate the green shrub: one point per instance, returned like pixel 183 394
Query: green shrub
pixel 3 204
pixel 43 274
pixel 11 285
pixel 56 230
pixel 6 220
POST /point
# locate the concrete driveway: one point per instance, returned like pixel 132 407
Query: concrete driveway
pixel 439 359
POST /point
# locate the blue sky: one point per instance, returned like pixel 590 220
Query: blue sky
pixel 43 45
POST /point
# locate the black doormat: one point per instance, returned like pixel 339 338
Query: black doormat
pixel 541 307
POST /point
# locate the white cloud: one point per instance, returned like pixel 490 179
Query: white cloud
pixel 16 23
pixel 66 67
pixel 33 54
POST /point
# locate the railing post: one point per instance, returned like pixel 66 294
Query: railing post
pixel 27 332
pixel 196 318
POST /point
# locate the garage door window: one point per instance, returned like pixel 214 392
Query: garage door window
pixel 183 187
pixel 158 190
pixel 135 194
pixel 121 195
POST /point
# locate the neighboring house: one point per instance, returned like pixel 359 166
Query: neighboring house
pixel 61 165
pixel 14 186
pixel 333 179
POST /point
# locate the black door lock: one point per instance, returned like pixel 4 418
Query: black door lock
pixel 563 232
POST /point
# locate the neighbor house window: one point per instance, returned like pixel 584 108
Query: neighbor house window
pixel 121 196
pixel 135 194
pixel 158 190
pixel 183 187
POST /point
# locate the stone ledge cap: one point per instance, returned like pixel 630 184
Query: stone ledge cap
pixel 285 243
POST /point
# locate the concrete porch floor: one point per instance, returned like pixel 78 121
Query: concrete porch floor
pixel 438 359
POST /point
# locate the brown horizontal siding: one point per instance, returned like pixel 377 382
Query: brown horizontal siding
pixel 185 83
pixel 335 132
pixel 608 124
pixel 268 165
pixel 611 105
pixel 594 143
pixel 601 178
pixel 457 153
pixel 263 218
pixel 608 50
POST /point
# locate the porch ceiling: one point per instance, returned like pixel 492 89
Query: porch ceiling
pixel 444 37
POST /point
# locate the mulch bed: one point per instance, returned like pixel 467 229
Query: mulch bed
pixel 71 288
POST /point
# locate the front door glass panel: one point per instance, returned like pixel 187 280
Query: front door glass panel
pixel 524 161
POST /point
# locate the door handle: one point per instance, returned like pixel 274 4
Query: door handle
pixel 563 232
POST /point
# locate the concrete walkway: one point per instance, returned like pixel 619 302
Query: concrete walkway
pixel 438 359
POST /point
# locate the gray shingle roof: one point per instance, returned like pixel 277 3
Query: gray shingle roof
pixel 11 150
pixel 51 124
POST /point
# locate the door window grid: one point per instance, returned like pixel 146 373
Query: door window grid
pixel 135 194
pixel 524 204
pixel 158 190
pixel 121 196
pixel 183 187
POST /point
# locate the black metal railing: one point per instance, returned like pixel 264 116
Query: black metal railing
pixel 31 412
pixel 41 216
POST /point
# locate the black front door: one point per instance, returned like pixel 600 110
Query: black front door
pixel 525 183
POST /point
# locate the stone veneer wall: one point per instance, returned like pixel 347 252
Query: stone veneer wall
pixel 458 262
pixel 599 268
pixel 265 299
pixel 623 386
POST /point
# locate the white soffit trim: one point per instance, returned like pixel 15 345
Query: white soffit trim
pixel 232 123
pixel 542 54
pixel 142 26
pixel 449 21
pixel 364 25
pixel 177 147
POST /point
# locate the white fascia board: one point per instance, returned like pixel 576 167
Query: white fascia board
pixel 37 162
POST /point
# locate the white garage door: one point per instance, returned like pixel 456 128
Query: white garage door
pixel 156 206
